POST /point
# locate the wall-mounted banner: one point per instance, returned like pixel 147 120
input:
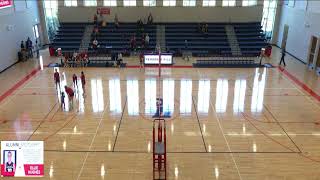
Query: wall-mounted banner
pixel 5 3
pixel 103 11
pixel 22 158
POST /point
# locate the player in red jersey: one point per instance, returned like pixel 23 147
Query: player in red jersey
pixel 74 80
pixel 70 94
pixel 56 77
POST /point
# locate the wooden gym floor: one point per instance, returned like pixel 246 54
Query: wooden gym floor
pixel 225 123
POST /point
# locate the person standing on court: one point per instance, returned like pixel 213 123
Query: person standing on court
pixel 63 105
pixel 283 54
pixel 29 48
pixel 83 81
pixel 56 77
pixel 141 59
pixel 70 94
pixel 74 80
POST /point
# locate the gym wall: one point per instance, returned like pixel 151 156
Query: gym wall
pixel 16 24
pixel 166 14
pixel 303 21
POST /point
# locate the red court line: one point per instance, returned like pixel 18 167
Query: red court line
pixel 19 84
pixel 162 66
pixel 299 83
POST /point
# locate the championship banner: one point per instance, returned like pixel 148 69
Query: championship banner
pixel 5 3
pixel 22 158
pixel 103 10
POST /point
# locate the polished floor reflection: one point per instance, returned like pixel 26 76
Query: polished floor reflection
pixel 223 124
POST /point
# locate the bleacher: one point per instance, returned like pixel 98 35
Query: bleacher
pixel 214 42
pixel 250 38
pixel 69 36
pixel 249 35
pixel 226 61
pixel 118 40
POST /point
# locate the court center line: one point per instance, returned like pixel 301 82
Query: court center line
pixel 221 129
pixel 115 140
pixel 195 109
pixel 90 146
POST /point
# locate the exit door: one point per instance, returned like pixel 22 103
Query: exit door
pixel 285 36
pixel 312 51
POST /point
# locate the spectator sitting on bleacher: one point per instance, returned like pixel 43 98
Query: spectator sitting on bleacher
pixel 133 42
pixel 206 28
pixel 150 19
pixel 116 21
pixel 143 40
pixel 75 55
pixel 147 39
pixel 186 44
pixel 95 44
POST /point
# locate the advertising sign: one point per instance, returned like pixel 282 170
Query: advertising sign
pixel 22 158
pixel 154 59
pixel 5 3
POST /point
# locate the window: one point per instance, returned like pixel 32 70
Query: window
pixel 228 2
pixel 110 2
pixel 129 3
pixel 149 2
pixel 50 4
pixel 169 2
pixel 209 3
pixel 189 2
pixel 51 11
pixel 69 3
pixel 289 3
pixel 269 13
pixel 35 31
pixel 90 2
pixel 249 2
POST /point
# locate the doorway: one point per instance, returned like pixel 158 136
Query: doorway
pixel 285 36
pixel 312 50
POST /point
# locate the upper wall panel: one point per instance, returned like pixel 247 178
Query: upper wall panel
pixel 166 14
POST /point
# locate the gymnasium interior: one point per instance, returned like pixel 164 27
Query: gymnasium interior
pixel 160 89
